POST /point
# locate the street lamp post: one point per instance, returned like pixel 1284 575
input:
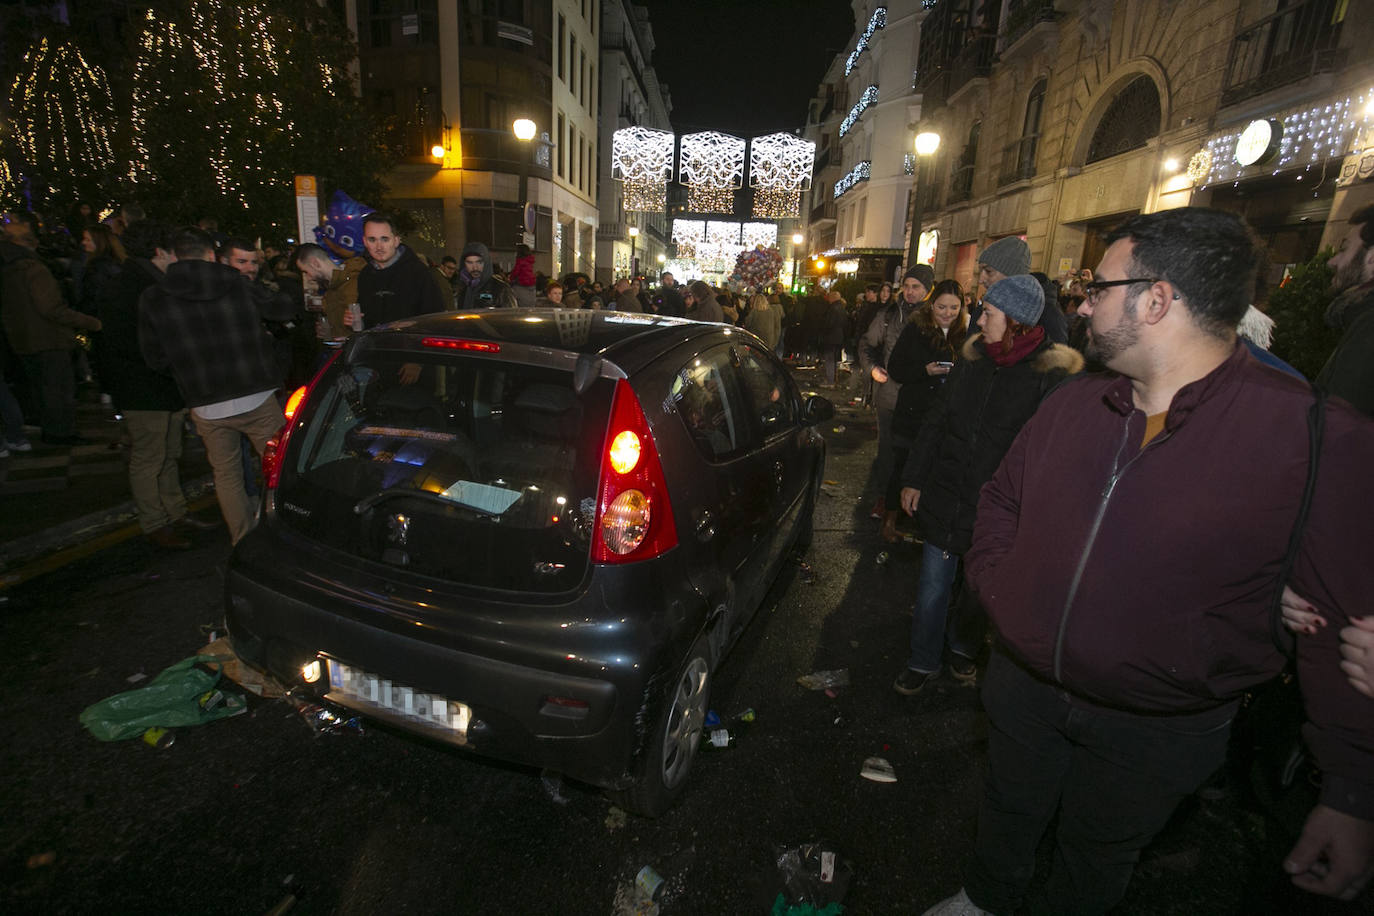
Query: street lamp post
pixel 634 261
pixel 797 239
pixel 926 145
pixel 524 130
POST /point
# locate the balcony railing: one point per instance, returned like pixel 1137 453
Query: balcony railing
pixel 493 150
pixel 823 211
pixel 1022 17
pixel 933 84
pixel 1282 48
pixel 1018 160
pixel 973 62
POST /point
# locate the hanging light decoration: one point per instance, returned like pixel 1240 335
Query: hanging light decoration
pixel 780 168
pixel 759 235
pixel 688 234
pixel 642 159
pixel 711 164
pixel 62 111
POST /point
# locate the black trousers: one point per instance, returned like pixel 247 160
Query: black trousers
pixel 1114 778
pixel 52 385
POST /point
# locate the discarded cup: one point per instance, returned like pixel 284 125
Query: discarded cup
pixel 883 557
pixel 877 769
pixel 649 882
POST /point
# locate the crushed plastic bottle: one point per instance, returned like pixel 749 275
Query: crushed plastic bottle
pixel 883 557
pixel 820 680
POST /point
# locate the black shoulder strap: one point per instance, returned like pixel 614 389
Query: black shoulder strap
pixel 1316 423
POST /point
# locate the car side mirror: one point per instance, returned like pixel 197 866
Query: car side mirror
pixel 817 410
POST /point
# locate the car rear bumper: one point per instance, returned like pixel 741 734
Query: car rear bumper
pixel 280 622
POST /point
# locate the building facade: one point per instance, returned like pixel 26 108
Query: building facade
pixel 1059 119
pixel 449 81
pixel 631 96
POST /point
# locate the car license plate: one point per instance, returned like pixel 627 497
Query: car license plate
pixel 390 698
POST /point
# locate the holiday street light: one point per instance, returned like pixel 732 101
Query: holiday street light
pixel 524 130
pixel 634 261
pixel 927 143
pixel 797 239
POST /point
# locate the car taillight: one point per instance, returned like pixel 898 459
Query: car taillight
pixel 275 450
pixel 634 519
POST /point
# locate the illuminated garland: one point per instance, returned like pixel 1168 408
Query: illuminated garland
pixel 772 204
pixel 857 174
pixel 642 158
pixel 711 164
pixel 868 98
pixel 759 235
pixel 644 196
pixel 876 22
pixel 710 200
pixel 688 235
pixel 62 111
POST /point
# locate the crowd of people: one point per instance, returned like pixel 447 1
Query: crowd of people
pixel 1106 550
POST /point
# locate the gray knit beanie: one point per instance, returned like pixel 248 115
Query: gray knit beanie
pixel 1019 297
pixel 1010 255
pixel 923 272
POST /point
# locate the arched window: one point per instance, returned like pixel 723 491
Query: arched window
pixel 1129 121
pixel 1030 131
pixel 961 188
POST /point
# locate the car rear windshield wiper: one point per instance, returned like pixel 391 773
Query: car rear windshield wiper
pixel 367 502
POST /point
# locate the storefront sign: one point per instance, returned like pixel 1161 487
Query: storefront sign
pixel 1259 141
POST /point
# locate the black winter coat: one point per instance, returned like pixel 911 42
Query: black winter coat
pixel 124 373
pixel 919 345
pixel 968 430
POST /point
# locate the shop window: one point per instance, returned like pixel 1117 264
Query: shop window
pixel 1129 122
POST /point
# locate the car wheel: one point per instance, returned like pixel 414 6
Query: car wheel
pixel 674 741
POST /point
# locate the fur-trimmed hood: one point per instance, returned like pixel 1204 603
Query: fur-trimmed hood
pixel 1050 357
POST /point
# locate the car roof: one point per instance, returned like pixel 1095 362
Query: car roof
pixel 628 339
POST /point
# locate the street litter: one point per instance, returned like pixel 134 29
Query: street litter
pixel 839 429
pixel 324 720
pixel 182 694
pixel 883 557
pixel 819 680
pixel 552 781
pixel 136 677
pixel 878 769
pixel 814 880
pixel 250 679
pixel 808 575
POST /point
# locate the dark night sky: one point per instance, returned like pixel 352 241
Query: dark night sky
pixel 745 67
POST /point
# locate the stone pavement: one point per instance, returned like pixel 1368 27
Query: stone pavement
pixel 58 498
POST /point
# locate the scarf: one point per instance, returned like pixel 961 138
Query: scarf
pixel 1021 347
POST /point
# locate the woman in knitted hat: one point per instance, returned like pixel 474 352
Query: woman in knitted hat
pixel 989 395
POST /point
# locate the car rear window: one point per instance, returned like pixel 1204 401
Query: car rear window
pixel 477 471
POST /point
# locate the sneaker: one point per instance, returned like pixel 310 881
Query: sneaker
pixel 910 682
pixel 23 445
pixel 963 669
pixel 958 905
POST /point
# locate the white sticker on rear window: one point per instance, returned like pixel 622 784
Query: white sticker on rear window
pixel 491 500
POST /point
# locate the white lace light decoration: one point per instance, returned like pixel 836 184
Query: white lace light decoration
pixel 688 235
pixel 715 162
pixel 877 21
pixel 868 98
pixel 754 235
pixel 780 168
pixel 642 158
pixel 721 242
pixel 859 173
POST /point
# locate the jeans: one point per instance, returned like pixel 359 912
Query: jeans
pixel 928 630
pixel 1114 778
pixel 221 438
pixel 52 384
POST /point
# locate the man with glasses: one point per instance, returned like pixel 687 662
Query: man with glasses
pixel 1128 550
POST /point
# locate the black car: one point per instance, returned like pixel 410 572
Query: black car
pixel 530 533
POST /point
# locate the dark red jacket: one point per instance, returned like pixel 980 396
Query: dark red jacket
pixel 1142 578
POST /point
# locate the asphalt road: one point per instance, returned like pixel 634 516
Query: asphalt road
pixel 249 813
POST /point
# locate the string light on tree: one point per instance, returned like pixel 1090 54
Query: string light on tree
pixel 62 115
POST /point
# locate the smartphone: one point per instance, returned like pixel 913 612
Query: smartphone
pixel 944 364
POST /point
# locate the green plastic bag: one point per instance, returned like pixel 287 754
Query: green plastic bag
pixel 171 700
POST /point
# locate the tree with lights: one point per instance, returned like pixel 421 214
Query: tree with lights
pixel 232 99
pixel 62 113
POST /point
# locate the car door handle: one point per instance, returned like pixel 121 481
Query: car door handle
pixel 706 524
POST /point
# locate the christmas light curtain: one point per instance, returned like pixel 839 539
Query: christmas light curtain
pixel 780 168
pixel 642 160
pixel 711 164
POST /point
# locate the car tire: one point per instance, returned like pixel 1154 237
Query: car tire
pixel 663 769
